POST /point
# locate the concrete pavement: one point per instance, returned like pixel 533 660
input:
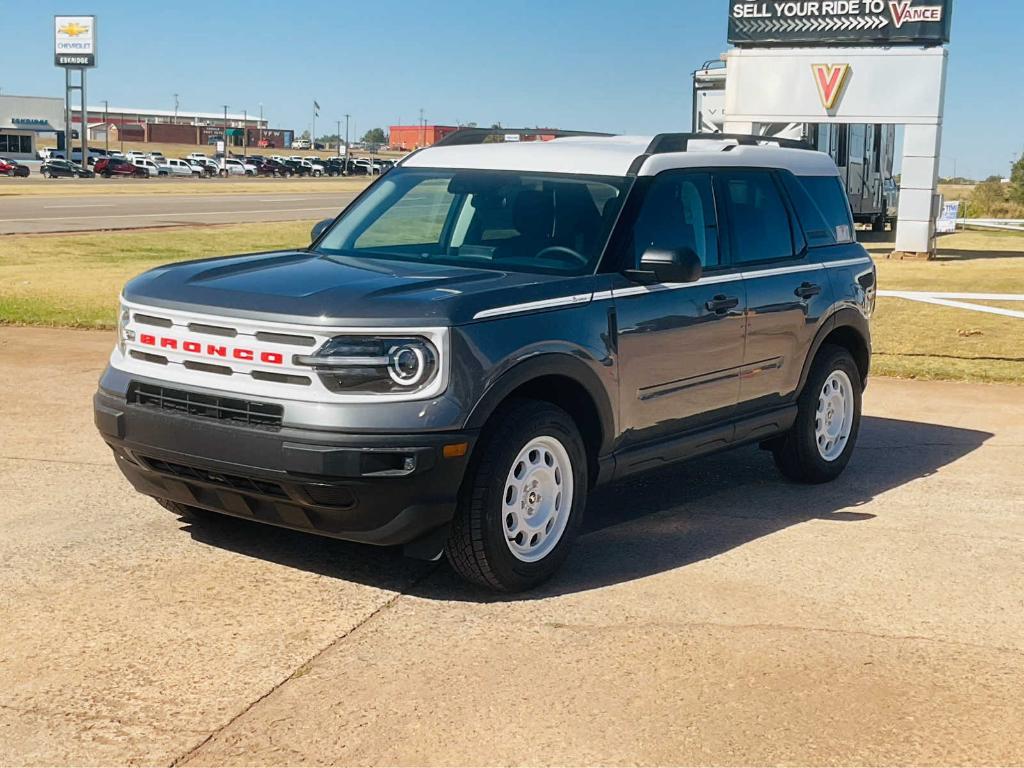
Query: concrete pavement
pixel 42 213
pixel 711 614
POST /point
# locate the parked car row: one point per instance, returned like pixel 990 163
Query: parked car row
pixel 139 164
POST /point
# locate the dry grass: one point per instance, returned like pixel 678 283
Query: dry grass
pixel 74 280
pixel 915 340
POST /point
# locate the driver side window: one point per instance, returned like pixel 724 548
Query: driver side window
pixel 678 212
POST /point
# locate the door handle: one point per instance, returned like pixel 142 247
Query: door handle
pixel 721 303
pixel 806 290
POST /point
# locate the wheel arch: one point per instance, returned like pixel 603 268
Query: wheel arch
pixel 567 382
pixel 847 328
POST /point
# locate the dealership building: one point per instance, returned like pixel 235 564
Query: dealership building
pixel 23 119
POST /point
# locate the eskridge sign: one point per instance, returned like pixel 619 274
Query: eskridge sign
pixel 74 43
pixel 844 22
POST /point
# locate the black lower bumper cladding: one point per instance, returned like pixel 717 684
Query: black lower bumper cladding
pixel 377 489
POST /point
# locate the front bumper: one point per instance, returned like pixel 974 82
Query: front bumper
pixel 381 489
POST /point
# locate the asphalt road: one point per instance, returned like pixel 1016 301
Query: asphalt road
pixel 32 214
pixel 711 614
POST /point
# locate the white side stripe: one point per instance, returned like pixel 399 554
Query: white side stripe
pixel 563 301
pixel 586 298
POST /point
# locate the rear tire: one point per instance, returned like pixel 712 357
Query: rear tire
pixel 819 445
pixel 522 500
pixel 878 224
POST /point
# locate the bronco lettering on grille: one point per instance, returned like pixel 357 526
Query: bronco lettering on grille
pixel 213 350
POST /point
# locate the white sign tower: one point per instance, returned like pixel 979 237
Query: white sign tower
pixel 849 61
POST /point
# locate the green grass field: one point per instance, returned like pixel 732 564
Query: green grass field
pixel 74 281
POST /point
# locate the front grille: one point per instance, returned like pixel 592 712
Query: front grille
pixel 264 415
pixel 235 482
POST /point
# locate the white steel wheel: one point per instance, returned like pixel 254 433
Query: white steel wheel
pixel 537 499
pixel 833 420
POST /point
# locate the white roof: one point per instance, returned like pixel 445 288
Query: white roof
pixel 182 114
pixel 614 155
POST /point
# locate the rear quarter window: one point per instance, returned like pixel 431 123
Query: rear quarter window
pixel 828 195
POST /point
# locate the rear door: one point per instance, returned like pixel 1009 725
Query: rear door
pixel 786 290
pixel 680 346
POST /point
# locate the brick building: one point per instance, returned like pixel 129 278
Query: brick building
pixel 406 137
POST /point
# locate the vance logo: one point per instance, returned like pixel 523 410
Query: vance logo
pixel 830 79
pixel 902 12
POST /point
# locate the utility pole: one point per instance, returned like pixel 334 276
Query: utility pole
pixel 261 124
pixel 175 109
pixel 339 138
pixel 312 132
pixel 423 128
pixel 106 127
pixel 120 132
pixel 245 132
pixel 346 142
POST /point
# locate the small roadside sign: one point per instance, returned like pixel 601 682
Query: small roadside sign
pixel 946 223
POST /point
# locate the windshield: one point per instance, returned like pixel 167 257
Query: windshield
pixel 506 220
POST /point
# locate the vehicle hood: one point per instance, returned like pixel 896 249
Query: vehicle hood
pixel 306 287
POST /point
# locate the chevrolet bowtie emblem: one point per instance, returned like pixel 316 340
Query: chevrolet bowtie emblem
pixel 73 29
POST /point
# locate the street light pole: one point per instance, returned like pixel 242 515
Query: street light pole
pixel 245 133
pixel 261 124
pixel 423 128
pixel 346 141
pixel 175 109
pixel 339 138
pixel 106 127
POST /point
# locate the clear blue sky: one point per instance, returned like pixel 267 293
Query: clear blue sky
pixel 593 64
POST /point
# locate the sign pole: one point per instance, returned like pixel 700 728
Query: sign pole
pixel 85 122
pixel 67 113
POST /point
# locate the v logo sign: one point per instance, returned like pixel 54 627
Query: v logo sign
pixel 830 79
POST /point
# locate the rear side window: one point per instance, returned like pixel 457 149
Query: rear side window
pixel 758 220
pixel 828 194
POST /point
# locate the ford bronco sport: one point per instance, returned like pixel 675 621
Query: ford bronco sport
pixel 491 330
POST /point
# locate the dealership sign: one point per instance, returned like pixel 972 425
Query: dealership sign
pixel 839 22
pixel 74 42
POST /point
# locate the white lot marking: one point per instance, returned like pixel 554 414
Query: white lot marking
pixel 950 300
pixel 166 215
pixel 82 205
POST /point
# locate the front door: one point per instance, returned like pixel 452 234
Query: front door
pixel 680 346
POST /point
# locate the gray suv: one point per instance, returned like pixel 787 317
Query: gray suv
pixel 492 330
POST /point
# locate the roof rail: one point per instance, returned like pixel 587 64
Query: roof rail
pixel 480 135
pixel 678 142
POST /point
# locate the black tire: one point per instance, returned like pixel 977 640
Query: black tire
pixel 477 546
pixel 878 224
pixel 797 453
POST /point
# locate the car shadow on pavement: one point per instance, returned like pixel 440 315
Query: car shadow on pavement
pixel 654 522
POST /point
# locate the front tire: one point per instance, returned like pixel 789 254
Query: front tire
pixel 821 441
pixel 522 500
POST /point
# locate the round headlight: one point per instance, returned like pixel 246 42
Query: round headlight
pixel 408 364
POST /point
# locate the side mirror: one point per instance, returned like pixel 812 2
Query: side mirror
pixel 664 265
pixel 318 229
